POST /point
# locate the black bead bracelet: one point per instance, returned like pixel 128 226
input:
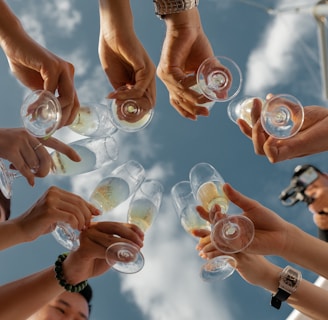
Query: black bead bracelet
pixel 60 276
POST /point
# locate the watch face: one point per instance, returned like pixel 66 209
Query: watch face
pixel 291 279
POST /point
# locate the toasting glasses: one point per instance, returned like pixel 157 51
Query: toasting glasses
pixel 185 204
pixel 232 233
pixel 41 113
pixel 131 115
pixel 282 115
pixel 111 191
pixel 144 206
pixel 218 78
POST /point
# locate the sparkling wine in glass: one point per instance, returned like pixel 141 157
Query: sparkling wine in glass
pixel 93 120
pixel 94 153
pixel 144 207
pixel 41 113
pixel 218 268
pixel 231 233
pixel 132 114
pixel 282 115
pixel 110 192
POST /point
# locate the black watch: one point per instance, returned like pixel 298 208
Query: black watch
pixel 290 279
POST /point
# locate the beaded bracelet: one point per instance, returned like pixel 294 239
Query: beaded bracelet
pixel 60 276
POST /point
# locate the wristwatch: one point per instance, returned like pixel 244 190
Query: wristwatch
pixel 290 279
pixel 164 7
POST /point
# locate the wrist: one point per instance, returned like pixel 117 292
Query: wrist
pixel 184 18
pixel 168 7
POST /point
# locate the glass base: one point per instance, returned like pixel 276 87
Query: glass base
pixel 233 233
pixel 66 236
pixel 218 268
pixel 124 257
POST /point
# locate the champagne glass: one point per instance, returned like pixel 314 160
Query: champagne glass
pixel 219 78
pixel 94 153
pixel 218 268
pixel 282 115
pixel 93 120
pixel 6 179
pixel 110 192
pixel 132 114
pixel 41 113
pixel 232 233
pixel 144 206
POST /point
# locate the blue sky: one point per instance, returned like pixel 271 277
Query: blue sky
pixel 276 54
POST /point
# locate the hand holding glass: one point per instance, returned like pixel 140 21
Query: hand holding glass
pixel 282 115
pixel 231 233
pixel 144 206
pixel 218 268
pixel 110 192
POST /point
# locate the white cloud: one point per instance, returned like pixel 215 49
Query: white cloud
pixel 273 62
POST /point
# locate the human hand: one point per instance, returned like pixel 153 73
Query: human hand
pixel 28 154
pixel 185 47
pixel 89 259
pixel 55 205
pixel 122 55
pixel 37 68
pixel 271 231
pixel 311 138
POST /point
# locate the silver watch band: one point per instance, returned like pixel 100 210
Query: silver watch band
pixel 164 7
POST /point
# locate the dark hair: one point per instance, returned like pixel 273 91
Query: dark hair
pixel 5 204
pixel 87 295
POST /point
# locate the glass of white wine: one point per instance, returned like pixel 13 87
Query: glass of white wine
pixel 94 153
pixel 232 233
pixel 143 208
pixel 218 268
pixel 282 115
pixel 41 113
pixel 130 115
pixel 110 192
pixel 7 177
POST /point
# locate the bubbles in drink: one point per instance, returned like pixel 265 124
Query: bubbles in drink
pixel 191 220
pixel 109 193
pixel 211 193
pixel 141 213
pixel 65 166
pixel 86 121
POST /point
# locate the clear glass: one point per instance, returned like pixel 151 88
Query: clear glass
pixel 219 78
pixel 94 153
pixel 41 113
pixel 231 233
pixel 143 209
pixel 132 114
pixel 218 268
pixel 282 115
pixel 93 120
pixel 6 179
pixel 110 192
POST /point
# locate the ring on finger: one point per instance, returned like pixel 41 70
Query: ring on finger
pixel 37 146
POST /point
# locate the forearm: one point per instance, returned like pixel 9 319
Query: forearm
pixel 308 298
pixel 9 24
pixel 305 250
pixel 10 234
pixel 23 297
pixel 115 16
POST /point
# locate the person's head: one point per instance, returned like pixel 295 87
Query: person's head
pixel 66 306
pixel 4 208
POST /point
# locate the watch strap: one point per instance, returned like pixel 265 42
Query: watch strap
pixel 279 297
pixel 164 7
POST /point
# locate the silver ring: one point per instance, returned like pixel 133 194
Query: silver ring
pixel 37 146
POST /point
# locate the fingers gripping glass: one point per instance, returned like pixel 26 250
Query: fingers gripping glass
pixel 282 115
pixel 144 207
pixel 218 268
pixel 231 233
